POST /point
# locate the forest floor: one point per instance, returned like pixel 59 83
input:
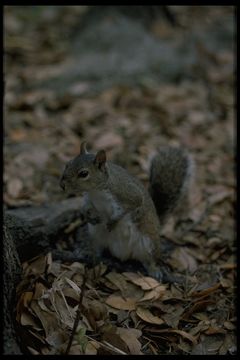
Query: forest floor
pixel 53 102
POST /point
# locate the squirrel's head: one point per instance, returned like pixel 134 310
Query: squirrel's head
pixel 85 172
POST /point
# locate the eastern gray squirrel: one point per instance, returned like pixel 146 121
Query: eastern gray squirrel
pixel 121 214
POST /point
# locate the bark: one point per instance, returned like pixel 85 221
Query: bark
pixel 144 14
pixel 11 276
pixel 36 228
pixel 27 232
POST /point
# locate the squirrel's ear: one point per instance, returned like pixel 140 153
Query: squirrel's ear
pixel 100 159
pixel 83 148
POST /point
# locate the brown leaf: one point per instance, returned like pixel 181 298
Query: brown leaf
pixel 98 309
pixel 130 337
pixel 33 351
pixel 201 327
pixel 39 290
pixel 229 345
pixel 184 334
pixel 172 319
pixel 206 291
pixel 57 338
pixel 49 321
pixel 64 313
pixel 35 266
pixel 219 197
pixel 28 319
pixel 226 283
pixel 72 294
pixel 108 141
pixel 118 280
pixel 108 284
pixel 23 302
pixel 145 282
pixel 200 305
pixel 146 315
pixel 154 294
pixel 92 348
pixel 229 325
pixel 14 187
pixel 183 260
pixel 116 341
pixel 214 330
pixel 97 271
pixel 228 266
pixel 76 349
pixel 73 286
pixel 201 316
pixel 17 135
pixel 119 303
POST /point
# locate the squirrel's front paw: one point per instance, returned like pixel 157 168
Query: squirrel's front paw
pixel 94 221
pixel 92 218
pixel 111 225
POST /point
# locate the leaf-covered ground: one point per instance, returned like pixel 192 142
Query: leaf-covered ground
pixel 123 312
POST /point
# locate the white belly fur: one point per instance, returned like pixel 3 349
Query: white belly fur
pixel 124 241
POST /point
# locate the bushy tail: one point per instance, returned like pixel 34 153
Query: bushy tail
pixel 170 177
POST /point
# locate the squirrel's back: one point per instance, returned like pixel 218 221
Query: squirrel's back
pixel 170 176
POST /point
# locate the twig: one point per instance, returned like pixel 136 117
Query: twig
pixel 78 315
pixel 113 348
pixel 108 346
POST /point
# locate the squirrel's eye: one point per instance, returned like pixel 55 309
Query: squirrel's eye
pixel 83 173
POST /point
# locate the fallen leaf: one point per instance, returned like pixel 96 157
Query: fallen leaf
pixel 229 325
pixel 118 280
pixel 184 334
pixel 49 321
pixel 229 344
pixel 64 313
pixel 92 348
pixel 97 271
pixel 35 266
pixel 183 260
pixel 28 319
pixel 73 285
pixel 172 319
pixel 14 187
pixel 57 338
pixel 75 349
pixel 200 305
pixel 146 315
pixel 219 197
pixel 98 309
pixel 23 302
pixel 69 292
pixel 228 266
pixel 119 303
pixel 17 135
pixel 206 291
pixel 154 294
pixel 130 337
pixel 108 141
pixel 40 289
pixel 116 341
pixel 214 330
pixel 145 282
pixel 33 351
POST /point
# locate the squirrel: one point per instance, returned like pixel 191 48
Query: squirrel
pixel 122 215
